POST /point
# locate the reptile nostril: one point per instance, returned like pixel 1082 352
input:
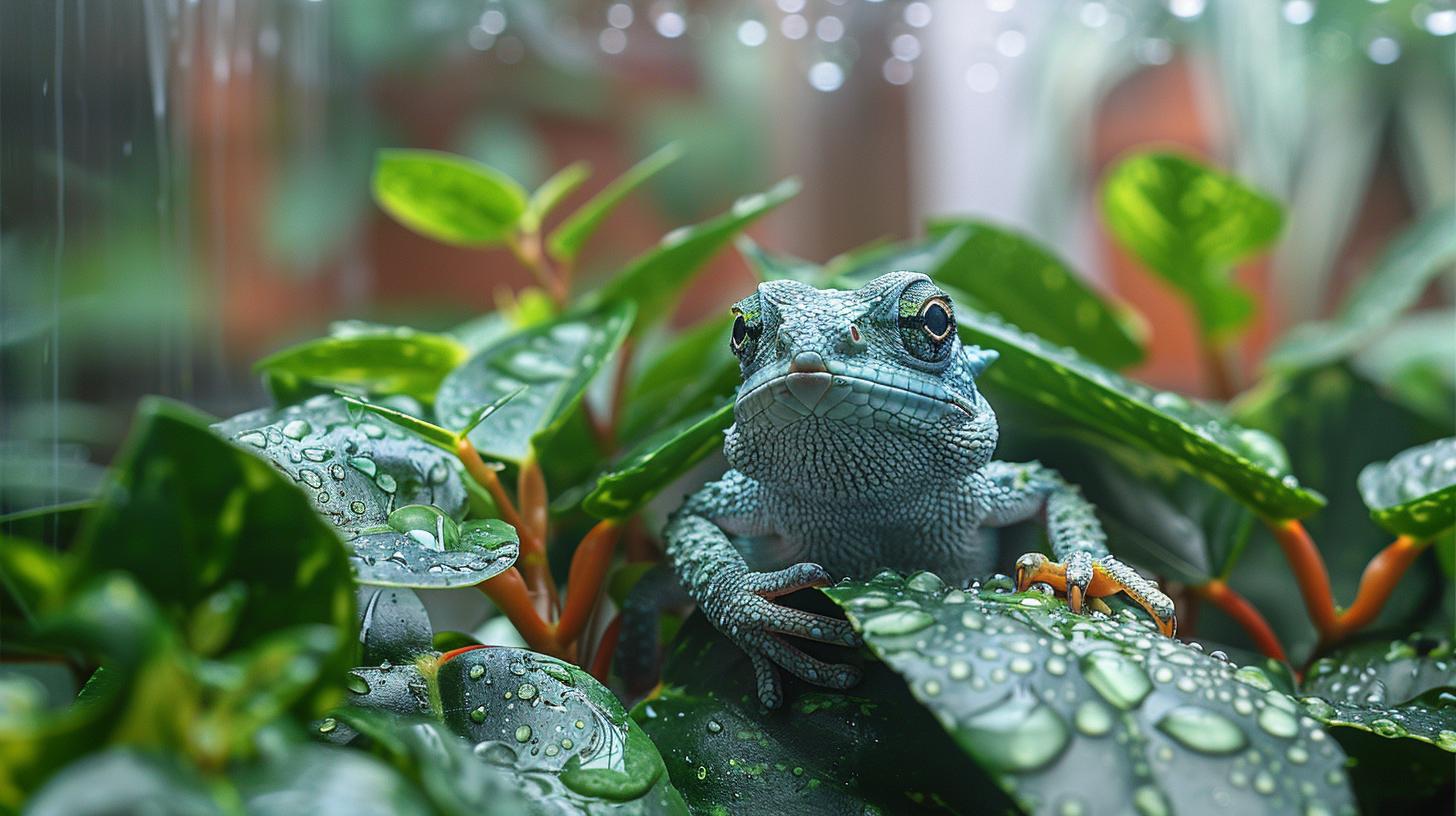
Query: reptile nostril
pixel 808 362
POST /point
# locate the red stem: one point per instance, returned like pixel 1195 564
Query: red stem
pixel 1235 606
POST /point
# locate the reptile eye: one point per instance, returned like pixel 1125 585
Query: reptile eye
pixel 935 319
pixel 740 332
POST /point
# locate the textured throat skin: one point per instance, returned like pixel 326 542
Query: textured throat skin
pixel 865 453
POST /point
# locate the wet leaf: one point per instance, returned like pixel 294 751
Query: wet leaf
pixel 1395 283
pixel 446 197
pixel 1243 462
pixel 393 625
pixel 396 361
pixel 1067 710
pixel 551 192
pixel 1413 494
pixel 399 689
pixel 436 555
pixel 871 750
pixel 567 239
pixel 1190 224
pixel 554 362
pixel 531 712
pixel 656 463
pixel 655 278
pixel 1014 276
pixel 126 780
pixel 324 780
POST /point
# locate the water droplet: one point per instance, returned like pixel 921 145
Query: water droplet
pixel 477 671
pixel 702 772
pixel 297 429
pixel 523 733
pixel 1092 718
pixel 1149 801
pixel 526 691
pixel 337 472
pixel 357 684
pixel 385 482
pixel 477 714
pixel 1278 722
pixel 1019 734
pixel 254 438
pixel 357 507
pixel 1264 783
pixel 327 725
pixel 364 465
pixel 925 582
pixel 714 726
pixel 311 477
pixel 496 753
pixel 898 622
pixel 1202 730
pixel 1020 665
pixel 1119 680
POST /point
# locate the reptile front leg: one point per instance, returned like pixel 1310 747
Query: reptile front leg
pixel 738 601
pixel 1013 492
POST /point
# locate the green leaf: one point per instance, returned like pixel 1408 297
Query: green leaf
pixel 1102 712
pixel 654 279
pixel 692 372
pixel 441 438
pixel 448 198
pixel 126 780
pixel 554 362
pixel 541 714
pixel 1415 364
pixel 770 266
pixel 872 749
pixel 655 463
pixel 567 239
pixel 187 514
pixel 393 626
pixel 55 524
pixel 1241 461
pixel 327 781
pixel 399 361
pixel 400 689
pixel 561 184
pixel 1390 704
pixel 1014 276
pixel 433 554
pixel 1413 494
pixel 1396 282
pixel 1190 224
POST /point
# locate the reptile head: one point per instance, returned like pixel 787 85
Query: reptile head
pixel 870 383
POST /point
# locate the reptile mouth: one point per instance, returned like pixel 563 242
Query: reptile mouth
pixel 850 393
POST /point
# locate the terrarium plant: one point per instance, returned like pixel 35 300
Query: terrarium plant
pixel 240 595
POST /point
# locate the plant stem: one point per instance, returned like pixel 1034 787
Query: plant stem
pixel 1245 615
pixel 508 592
pixel 1309 572
pixel 1215 359
pixel 601 663
pixel 527 249
pixel 531 489
pixel 588 575
pixel 485 476
pixel 1376 584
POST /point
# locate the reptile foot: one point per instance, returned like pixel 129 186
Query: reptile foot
pixel 1086 579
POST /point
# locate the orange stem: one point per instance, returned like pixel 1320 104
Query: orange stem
pixel 1377 582
pixel 588 574
pixel 508 592
pixel 485 476
pixel 1245 615
pixel 531 488
pixel 601 664
pixel 1309 572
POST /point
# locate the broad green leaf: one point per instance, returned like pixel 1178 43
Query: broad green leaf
pixel 1396 282
pixel 400 689
pixel 1414 494
pixel 480 332
pixel 567 239
pixel 446 197
pixel 561 184
pixel 537 713
pixel 393 626
pixel 654 279
pixel 655 463
pixel 1102 713
pixel 327 781
pixel 399 361
pixel 1190 224
pixel 187 514
pixel 1014 276
pixel 1390 704
pixel 554 362
pixel 872 749
pixel 127 780
pixel 692 372
pixel 770 266
pixel 1241 461
pixel 371 480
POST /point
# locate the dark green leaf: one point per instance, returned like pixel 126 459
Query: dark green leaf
pixel 567 239
pixel 188 514
pixel 126 781
pixel 1241 461
pixel 438 554
pixel 656 462
pixel 1408 266
pixel 393 626
pixel 56 524
pixel 1028 285
pixel 448 198
pixel 871 750
pixel 400 689
pixel 1105 713
pixel 692 372
pixel 1190 224
pixel 401 361
pixel 327 781
pixel 1414 494
pixel 654 279
pixel 551 192
pixel 554 362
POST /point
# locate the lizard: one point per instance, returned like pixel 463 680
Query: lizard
pixel 860 442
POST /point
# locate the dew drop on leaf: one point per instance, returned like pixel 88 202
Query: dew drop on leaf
pixel 1203 730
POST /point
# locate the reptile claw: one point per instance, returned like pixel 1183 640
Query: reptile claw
pixel 1084 578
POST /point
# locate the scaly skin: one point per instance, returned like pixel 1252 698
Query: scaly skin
pixel 861 443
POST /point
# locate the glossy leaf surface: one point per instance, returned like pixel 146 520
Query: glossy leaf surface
pixel 1414 493
pixel 446 197
pixel 656 462
pixel 397 361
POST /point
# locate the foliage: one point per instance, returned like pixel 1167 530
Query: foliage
pixel 240 602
